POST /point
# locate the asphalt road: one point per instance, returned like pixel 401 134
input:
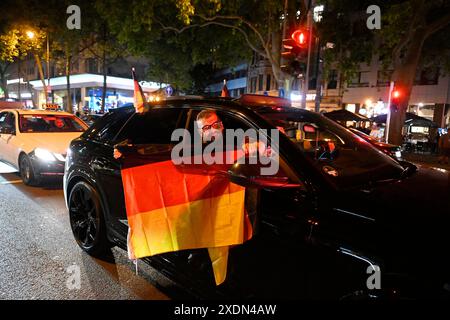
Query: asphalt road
pixel 39 258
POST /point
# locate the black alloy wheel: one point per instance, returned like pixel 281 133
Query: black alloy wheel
pixel 26 171
pixel 86 219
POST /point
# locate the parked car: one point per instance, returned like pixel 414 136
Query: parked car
pixel 90 119
pixel 35 141
pixel 351 208
pixel 391 150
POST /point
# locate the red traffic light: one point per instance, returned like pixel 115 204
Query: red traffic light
pixel 300 37
pixel 396 94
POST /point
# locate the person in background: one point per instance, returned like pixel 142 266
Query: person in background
pixel 375 132
pixel 444 147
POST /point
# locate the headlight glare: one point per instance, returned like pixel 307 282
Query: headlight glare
pixel 44 154
pixel 60 157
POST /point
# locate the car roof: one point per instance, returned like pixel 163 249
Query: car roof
pixel 263 106
pixel 41 112
pixel 234 105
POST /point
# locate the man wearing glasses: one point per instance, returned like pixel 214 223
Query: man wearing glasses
pixel 210 126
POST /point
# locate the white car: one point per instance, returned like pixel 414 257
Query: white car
pixel 35 141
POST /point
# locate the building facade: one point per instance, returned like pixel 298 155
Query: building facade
pixel 367 93
pixel 86 83
pixel 235 77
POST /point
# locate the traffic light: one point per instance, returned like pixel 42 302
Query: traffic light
pixel 395 100
pixel 295 53
pixel 300 37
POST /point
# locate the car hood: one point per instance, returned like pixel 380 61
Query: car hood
pixel 386 145
pixel 55 142
pixel 409 221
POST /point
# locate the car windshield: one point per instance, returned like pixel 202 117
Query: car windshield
pixel 345 158
pixel 31 123
pixel 364 135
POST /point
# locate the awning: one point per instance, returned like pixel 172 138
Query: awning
pixel 411 120
pixel 345 115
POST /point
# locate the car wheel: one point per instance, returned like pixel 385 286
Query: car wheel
pixel 26 171
pixel 86 220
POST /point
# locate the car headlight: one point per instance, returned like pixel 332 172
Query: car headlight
pixel 44 154
pixel 60 157
pixel 398 154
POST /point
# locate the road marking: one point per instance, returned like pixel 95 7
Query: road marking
pixel 11 182
pixel 5 168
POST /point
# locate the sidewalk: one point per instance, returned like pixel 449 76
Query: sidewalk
pixel 426 159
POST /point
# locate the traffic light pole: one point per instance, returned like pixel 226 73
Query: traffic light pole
pixel 48 71
pixel 306 77
pixel 318 77
pixel 388 118
pixel 282 81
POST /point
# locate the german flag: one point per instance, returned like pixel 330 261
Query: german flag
pixel 139 98
pixel 225 92
pixel 170 210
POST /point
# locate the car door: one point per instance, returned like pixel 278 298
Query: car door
pixel 2 140
pixel 8 146
pixel 150 132
pixel 271 261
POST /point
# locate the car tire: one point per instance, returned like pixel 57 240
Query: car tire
pixel 87 220
pixel 27 172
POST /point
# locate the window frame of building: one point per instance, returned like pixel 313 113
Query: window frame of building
pixel 332 79
pixel 384 77
pixel 422 79
pixel 268 82
pixel 253 81
pixel 358 83
pixel 260 82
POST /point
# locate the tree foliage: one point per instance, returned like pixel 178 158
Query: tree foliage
pixel 206 32
pixel 413 33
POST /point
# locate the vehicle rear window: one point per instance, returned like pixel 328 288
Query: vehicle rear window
pixel 106 128
pixel 153 127
pixel 31 123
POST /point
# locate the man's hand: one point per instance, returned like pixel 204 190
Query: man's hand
pixel 253 148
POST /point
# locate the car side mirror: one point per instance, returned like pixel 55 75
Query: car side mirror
pixel 408 167
pixel 248 175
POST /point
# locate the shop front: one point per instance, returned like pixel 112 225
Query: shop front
pixel 86 91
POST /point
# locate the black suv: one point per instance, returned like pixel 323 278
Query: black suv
pixel 353 207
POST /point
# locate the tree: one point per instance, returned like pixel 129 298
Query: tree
pixel 8 52
pixel 239 27
pixel 48 21
pixel 407 39
pixel 17 44
pixel 65 44
pixel 105 49
pixel 413 23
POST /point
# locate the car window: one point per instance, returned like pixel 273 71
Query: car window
pixel 105 129
pixel 42 123
pixel 153 127
pixel 229 121
pixel 2 118
pixel 332 149
pixel 7 120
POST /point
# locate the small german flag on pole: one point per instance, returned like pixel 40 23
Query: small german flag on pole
pixel 140 103
pixel 225 92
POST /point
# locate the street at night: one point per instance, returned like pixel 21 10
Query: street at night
pixel 38 251
pixel 191 153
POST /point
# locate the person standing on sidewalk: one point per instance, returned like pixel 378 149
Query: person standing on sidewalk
pixel 444 147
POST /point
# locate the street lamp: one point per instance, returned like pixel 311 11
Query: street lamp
pixel 30 34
